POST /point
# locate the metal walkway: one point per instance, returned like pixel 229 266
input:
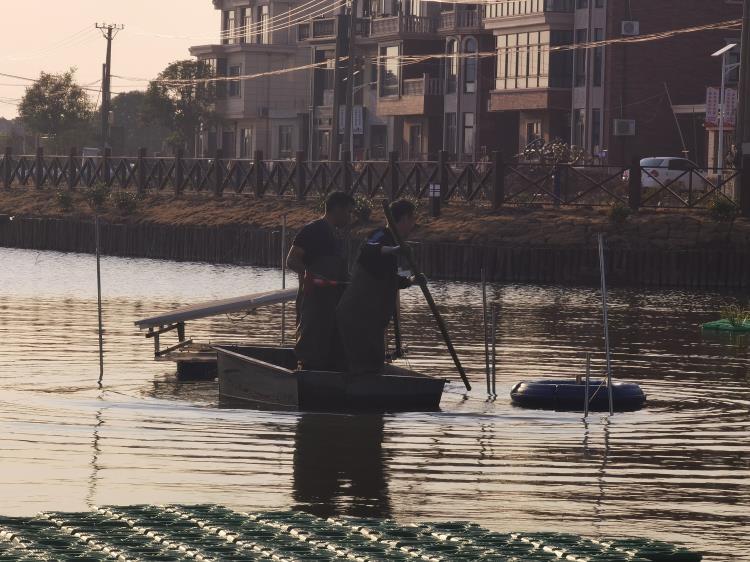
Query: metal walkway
pixel 206 532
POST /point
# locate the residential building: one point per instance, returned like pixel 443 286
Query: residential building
pixel 270 112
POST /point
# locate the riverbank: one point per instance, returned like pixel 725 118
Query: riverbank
pixel 651 247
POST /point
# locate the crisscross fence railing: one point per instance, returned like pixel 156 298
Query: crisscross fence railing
pixel 493 182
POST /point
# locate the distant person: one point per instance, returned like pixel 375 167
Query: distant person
pixel 317 256
pixel 369 302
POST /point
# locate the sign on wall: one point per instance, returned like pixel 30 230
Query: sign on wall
pixel 713 102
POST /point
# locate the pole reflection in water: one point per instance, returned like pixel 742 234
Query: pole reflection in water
pixel 339 466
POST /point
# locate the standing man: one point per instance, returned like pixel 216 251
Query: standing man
pixel 370 300
pixel 317 256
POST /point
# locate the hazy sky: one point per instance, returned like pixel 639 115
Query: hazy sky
pixel 52 36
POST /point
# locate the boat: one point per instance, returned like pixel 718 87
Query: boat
pixel 268 377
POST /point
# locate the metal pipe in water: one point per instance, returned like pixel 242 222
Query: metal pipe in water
pixel 283 278
pixel 588 378
pixel 486 334
pixel 99 298
pixel 494 349
pixel 606 322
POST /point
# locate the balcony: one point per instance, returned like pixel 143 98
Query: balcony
pixel 460 21
pixel 324 30
pixel 418 96
pixel 401 26
pixel 506 14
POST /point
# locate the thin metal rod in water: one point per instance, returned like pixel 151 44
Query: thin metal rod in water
pixel 494 348
pixel 283 278
pixel 602 270
pixel 588 382
pixel 486 334
pixel 99 299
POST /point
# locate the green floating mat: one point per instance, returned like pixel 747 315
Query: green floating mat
pixel 726 326
pixel 211 532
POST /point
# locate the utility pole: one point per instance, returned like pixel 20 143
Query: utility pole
pixel 742 128
pixel 341 45
pixel 109 31
pixel 350 82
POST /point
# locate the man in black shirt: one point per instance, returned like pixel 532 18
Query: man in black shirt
pixel 369 302
pixel 317 256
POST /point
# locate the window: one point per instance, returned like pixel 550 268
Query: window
pixel 561 62
pixel 451 67
pixel 579 127
pixel 247 142
pixel 234 85
pixel 599 4
pixel 324 144
pixel 413 7
pixel 245 22
pixel 263 19
pixel 470 66
pixel 533 131
pixel 285 141
pixel 524 60
pixel 450 133
pixel 596 132
pixel 415 142
pixel 390 71
pixel 580 58
pixel 598 57
pixel 227 144
pixel 580 4
pixel 469 135
pixel 227 27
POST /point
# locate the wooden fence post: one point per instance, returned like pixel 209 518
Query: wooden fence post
pixel 300 178
pixel 346 163
pixel 39 168
pixel 498 179
pixel 141 171
pixel 178 171
pixel 218 174
pixel 72 168
pixel 443 175
pixel 745 186
pixel 258 169
pixel 392 188
pixel 7 167
pixel 635 188
pixel 106 167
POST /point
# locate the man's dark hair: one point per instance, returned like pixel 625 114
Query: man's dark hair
pixel 339 200
pixel 402 208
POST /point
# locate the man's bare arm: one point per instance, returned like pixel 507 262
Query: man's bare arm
pixel 295 260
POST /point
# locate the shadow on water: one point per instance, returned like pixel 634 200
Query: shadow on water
pixel 339 466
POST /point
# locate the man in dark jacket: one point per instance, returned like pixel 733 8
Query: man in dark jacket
pixel 318 257
pixel 368 304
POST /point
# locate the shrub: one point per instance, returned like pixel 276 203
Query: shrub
pixel 124 202
pixel 619 214
pixel 362 208
pixel 736 315
pixel 65 200
pixel 722 210
pixel 96 196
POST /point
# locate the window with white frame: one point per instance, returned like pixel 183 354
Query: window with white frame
pixel 235 87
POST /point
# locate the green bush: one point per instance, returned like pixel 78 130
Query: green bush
pixel 736 315
pixel 125 202
pixel 619 213
pixel 722 210
pixel 65 200
pixel 96 196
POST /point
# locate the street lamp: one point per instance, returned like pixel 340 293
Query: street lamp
pixel 719 164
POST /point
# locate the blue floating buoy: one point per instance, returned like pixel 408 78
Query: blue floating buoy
pixel 570 395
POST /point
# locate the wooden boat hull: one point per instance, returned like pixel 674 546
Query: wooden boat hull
pixel 266 377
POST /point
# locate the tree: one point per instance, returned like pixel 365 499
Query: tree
pixel 181 100
pixel 132 129
pixel 56 106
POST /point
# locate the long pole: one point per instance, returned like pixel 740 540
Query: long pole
pixel 606 321
pixel 348 145
pixel 722 102
pixel 743 111
pixel 283 278
pixel 99 299
pixel 108 30
pixel 494 348
pixel 588 379
pixel 486 334
pixel 427 295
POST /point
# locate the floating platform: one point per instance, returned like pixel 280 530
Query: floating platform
pixel 207 532
pixel 726 326
pixel 570 395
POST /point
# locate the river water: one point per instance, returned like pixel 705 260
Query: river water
pixel 677 471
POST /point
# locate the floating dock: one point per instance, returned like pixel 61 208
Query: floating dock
pixel 208 532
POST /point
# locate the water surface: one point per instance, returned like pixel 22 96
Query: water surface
pixel 677 470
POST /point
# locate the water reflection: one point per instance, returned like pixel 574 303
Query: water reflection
pixel 339 466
